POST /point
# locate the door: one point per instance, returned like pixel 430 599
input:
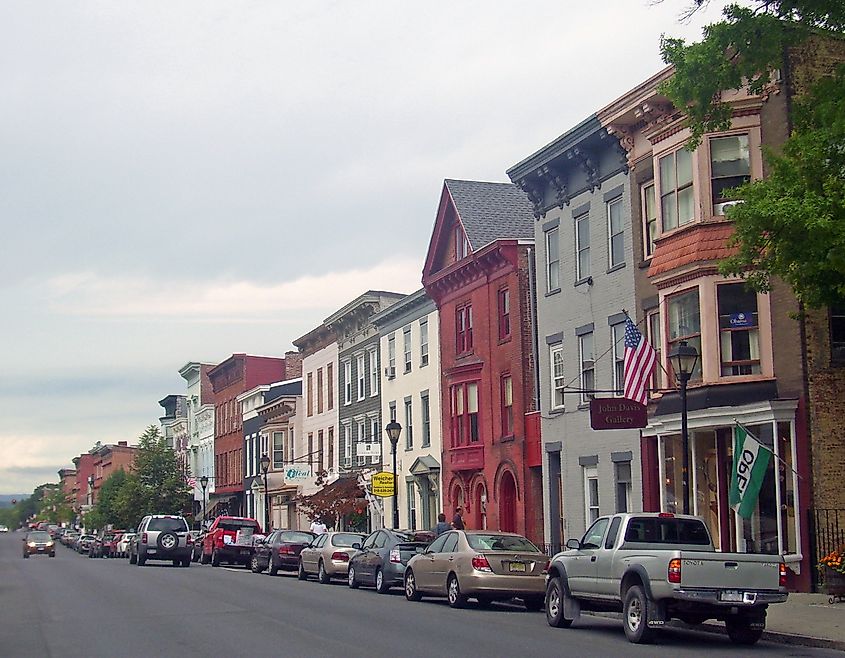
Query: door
pixel 507 503
pixel 581 564
pixel 310 554
pixel 264 550
pixel 364 560
pixel 443 562
pixel 603 581
pixel 423 565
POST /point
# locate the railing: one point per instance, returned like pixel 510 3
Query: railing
pixel 827 533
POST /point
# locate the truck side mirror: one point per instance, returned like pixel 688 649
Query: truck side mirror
pixel 573 544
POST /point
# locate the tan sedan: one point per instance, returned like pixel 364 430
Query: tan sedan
pixel 485 565
pixel 328 555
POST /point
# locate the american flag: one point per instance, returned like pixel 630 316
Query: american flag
pixel 640 360
pixel 191 481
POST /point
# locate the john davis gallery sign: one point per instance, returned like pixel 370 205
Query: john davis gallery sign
pixel 617 414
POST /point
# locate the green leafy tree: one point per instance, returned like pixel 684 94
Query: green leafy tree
pixel 112 505
pixel 162 486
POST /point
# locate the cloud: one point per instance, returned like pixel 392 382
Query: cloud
pixel 91 294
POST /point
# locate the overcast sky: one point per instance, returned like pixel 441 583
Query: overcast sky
pixel 184 180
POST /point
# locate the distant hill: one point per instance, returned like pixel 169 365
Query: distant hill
pixel 6 499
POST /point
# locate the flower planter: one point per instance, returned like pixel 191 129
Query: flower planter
pixel 834 583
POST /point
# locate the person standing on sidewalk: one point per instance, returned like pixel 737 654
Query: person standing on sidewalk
pixel 442 526
pixel 458 519
pixel 318 527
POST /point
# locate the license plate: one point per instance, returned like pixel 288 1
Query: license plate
pixel 518 567
pixel 245 552
pixel 731 596
pixel 151 550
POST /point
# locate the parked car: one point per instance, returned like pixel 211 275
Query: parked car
pixel 229 539
pixel 95 549
pixel 110 546
pixel 3 528
pixel 280 551
pixel 83 544
pixel 162 537
pixel 198 536
pixel 655 567
pixel 122 546
pixel 38 542
pixel 328 555
pixel 484 565
pixel 69 538
pixel 381 559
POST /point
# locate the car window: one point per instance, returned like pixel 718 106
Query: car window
pixel 381 540
pixel 493 542
pixel 38 536
pixel 593 536
pixel 233 525
pixel 610 540
pixel 297 537
pixel 370 541
pixel 344 540
pixel 437 545
pixel 167 525
pixel 657 530
pixel 451 543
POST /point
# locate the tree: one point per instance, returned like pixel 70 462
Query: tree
pixel 161 484
pixel 113 506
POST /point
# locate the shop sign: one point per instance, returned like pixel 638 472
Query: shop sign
pixel 617 414
pixel 381 484
pixel 297 473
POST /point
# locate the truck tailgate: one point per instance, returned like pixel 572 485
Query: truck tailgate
pixel 739 571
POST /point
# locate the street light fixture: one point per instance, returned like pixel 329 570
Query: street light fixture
pixel 393 430
pixel 684 358
pixel 265 466
pixel 204 485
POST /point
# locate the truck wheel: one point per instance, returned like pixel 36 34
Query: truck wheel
pixel 740 631
pixel 554 605
pixel 215 559
pixel 635 616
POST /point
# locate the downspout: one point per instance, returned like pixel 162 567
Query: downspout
pixel 535 349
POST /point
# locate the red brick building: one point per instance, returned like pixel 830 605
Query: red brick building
pixel 235 375
pixel 67 480
pixel 477 272
pixel 111 458
pixel 84 467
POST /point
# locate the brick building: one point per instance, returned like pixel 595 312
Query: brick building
pixel 477 272
pixel 67 481
pixel 84 465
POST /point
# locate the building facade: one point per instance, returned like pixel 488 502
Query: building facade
pixel 410 395
pixel 477 272
pixel 578 186
pixel 200 421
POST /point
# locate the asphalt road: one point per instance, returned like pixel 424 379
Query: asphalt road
pixel 72 606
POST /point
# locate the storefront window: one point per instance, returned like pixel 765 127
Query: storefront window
pixel 738 330
pixel 672 475
pixel 706 482
pixel 787 480
pixel 685 324
pixel 759 534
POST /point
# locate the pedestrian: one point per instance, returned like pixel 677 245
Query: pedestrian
pixel 318 527
pixel 458 520
pixel 442 526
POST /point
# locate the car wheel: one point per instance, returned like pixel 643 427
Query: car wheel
pixel 381 584
pixel 350 578
pixel 133 559
pixel 254 566
pixel 322 575
pixel 554 605
pixel 215 558
pixel 411 591
pixel 740 631
pixel 301 571
pixel 533 603
pixel 635 616
pixel 142 559
pixel 453 589
pixel 272 569
pixel 52 555
pixel 26 556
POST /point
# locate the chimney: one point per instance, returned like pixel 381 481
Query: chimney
pixel 293 364
pixel 122 443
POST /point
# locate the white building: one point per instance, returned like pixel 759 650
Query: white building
pixel 200 428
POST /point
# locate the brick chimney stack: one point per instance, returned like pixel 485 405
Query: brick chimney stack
pixel 293 364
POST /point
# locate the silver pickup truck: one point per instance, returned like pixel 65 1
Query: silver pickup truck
pixel 656 567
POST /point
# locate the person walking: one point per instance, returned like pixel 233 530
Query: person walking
pixel 318 527
pixel 458 519
pixel 442 526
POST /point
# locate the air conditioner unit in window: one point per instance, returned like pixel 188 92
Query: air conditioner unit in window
pixel 721 208
pixel 390 372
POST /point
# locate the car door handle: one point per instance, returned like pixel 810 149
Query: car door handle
pixel 451 559
pixel 593 558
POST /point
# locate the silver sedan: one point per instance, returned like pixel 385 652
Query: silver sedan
pixel 328 555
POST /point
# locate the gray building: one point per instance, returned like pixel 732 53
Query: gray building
pixel 359 379
pixel 584 280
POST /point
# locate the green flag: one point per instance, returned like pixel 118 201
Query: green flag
pixel 751 459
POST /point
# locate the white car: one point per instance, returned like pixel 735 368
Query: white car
pixel 3 528
pixel 123 544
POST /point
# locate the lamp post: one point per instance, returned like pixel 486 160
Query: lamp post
pixel 684 358
pixel 204 485
pixel 265 465
pixel 393 430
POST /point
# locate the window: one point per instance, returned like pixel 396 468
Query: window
pixel 461 244
pixel 615 233
pixel 739 339
pixel 362 435
pixel 406 343
pixel 591 494
pixel 464 402
pixel 730 167
pixel 362 376
pixel 649 220
pixel 582 246
pixel 374 372
pixel 588 366
pixel 393 412
pixel 558 382
pixel 507 405
pixel 319 390
pixel 374 438
pixel 330 382
pixel 409 426
pixel 464 329
pixel 391 356
pixel 837 333
pixel 504 313
pixel 592 538
pixel 310 450
pixel 423 343
pixel 685 323
pixel 617 336
pixel 612 532
pixel 426 420
pixel 677 204
pixel 623 487
pixel 346 443
pixel 654 333
pixel 320 463
pixel 412 505
pixel 347 382
pixel 552 260
pixel 331 448
pixel 278 450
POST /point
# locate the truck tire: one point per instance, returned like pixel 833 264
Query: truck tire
pixel 740 631
pixel 635 616
pixel 554 604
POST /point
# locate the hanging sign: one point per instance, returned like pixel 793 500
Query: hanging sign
pixel 381 484
pixel 297 473
pixel 617 414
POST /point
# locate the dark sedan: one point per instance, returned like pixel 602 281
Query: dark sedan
pixel 38 542
pixel 280 551
pixel 382 558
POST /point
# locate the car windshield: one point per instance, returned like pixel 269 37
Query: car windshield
pixel 343 540
pixel 236 524
pixel 651 530
pixel 168 525
pixel 38 536
pixel 297 537
pixel 501 543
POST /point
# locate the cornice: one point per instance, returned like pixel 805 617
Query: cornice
pixel 466 271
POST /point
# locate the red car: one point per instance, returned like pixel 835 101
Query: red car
pixel 229 539
pixel 110 543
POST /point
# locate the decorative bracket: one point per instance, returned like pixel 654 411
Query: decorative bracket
pixel 534 194
pixel 585 161
pixel 553 178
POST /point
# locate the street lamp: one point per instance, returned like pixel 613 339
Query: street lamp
pixel 393 430
pixel 204 485
pixel 684 358
pixel 265 465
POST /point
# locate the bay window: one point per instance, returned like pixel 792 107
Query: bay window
pixel 739 335
pixel 278 450
pixel 677 200
pixel 730 167
pixel 685 323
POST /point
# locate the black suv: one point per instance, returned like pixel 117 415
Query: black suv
pixel 162 537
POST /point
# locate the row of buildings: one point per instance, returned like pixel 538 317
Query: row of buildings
pixel 520 322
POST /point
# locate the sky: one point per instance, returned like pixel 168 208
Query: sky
pixel 184 180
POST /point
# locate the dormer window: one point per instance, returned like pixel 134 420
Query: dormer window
pixel 730 167
pixel 461 244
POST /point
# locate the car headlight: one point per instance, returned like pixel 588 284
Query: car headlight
pixel 49 543
pixel 31 544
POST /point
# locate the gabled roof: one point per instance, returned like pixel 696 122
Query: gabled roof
pixel 491 211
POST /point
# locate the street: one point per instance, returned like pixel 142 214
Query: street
pixel 74 606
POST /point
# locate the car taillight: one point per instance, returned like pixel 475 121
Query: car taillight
pixel 340 556
pixel 144 538
pixel 395 555
pixel 480 563
pixel 782 579
pixel 665 515
pixel 674 575
pixel 284 549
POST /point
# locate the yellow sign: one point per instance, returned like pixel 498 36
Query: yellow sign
pixel 381 484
